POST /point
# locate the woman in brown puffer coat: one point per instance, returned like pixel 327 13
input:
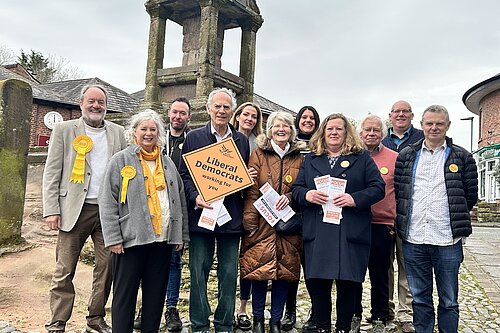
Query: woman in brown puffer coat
pixel 267 255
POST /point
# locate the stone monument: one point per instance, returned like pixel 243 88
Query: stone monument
pixel 15 113
pixel 204 23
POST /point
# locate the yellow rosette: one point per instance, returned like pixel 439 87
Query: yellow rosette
pixel 82 144
pixel 128 172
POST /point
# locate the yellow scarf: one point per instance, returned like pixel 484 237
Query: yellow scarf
pixel 153 183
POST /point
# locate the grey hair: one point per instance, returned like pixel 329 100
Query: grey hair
pixel 93 85
pixel 227 91
pixel 383 126
pixel 284 117
pixel 437 109
pixel 145 115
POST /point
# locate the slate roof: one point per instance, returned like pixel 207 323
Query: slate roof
pixel 38 91
pixel 267 106
pixel 68 92
pixel 118 100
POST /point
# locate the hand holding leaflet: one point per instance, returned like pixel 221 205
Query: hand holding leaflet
pixel 332 186
pixel 266 206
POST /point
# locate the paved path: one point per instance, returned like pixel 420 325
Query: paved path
pixel 479 288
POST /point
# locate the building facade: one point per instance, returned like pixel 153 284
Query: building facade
pixel 483 100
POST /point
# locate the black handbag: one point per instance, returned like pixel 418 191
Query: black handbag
pixel 291 227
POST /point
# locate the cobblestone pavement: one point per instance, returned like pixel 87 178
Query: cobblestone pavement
pixel 479 290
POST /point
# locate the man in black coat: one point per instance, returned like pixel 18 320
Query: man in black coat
pixel 436 187
pixel 225 238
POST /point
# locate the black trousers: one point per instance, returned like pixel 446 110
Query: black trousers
pixel 291 297
pixel 378 266
pixel 347 299
pixel 149 266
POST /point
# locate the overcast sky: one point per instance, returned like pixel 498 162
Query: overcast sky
pixel 346 56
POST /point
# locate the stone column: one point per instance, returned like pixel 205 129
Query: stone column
pixel 206 59
pixel 16 102
pixel 208 46
pixel 247 56
pixel 156 44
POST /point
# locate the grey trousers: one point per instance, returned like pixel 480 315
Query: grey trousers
pixel 69 246
pixel 404 310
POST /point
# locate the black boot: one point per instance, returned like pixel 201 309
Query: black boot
pixel 309 324
pixel 258 325
pixel 288 320
pixel 274 326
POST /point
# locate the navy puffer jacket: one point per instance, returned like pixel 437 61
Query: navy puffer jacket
pixel 460 174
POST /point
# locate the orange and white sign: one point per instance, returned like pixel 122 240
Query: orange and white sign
pixel 217 170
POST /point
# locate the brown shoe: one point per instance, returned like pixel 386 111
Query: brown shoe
pixel 407 327
pixel 98 326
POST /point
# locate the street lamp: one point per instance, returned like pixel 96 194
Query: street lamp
pixel 471 129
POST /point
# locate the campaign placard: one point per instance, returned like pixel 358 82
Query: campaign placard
pixel 217 170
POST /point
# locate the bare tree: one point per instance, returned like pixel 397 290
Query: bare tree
pixel 7 56
pixel 45 69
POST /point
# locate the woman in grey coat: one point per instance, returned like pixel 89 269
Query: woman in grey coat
pixel 143 215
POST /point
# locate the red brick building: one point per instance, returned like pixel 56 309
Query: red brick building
pixel 483 99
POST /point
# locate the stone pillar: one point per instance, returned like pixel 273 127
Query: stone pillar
pixel 247 56
pixel 206 59
pixel 16 102
pixel 208 45
pixel 156 44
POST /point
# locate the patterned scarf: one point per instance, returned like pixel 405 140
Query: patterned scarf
pixel 153 183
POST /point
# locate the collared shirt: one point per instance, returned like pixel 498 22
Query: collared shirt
pixel 430 216
pixel 217 135
pixel 396 139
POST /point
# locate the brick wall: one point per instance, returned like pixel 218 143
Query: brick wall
pixel 37 125
pixel 490 119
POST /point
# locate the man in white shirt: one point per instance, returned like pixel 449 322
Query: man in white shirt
pixel 436 187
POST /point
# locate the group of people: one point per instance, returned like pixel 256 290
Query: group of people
pixel 132 192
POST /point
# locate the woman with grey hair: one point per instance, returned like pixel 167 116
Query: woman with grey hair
pixel 143 215
pixel 267 254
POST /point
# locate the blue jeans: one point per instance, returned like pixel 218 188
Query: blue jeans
pixel 279 291
pixel 174 279
pixel 201 257
pixel 421 260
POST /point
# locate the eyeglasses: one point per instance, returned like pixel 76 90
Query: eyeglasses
pixel 405 111
pixel 374 130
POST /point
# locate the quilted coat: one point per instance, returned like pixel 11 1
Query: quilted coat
pixel 266 255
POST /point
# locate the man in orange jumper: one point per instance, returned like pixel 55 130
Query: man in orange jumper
pixel 372 130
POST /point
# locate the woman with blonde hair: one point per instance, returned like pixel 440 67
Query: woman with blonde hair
pixel 247 119
pixel 337 251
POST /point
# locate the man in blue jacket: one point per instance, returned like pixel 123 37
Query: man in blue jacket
pixel 436 187
pixel 220 106
pixel 400 135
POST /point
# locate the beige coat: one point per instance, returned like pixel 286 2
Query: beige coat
pixel 267 255
pixel 60 196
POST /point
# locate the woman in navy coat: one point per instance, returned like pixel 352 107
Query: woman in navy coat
pixel 337 252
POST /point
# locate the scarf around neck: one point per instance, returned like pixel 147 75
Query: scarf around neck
pixel 153 182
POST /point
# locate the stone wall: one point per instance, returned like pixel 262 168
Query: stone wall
pixel 488 212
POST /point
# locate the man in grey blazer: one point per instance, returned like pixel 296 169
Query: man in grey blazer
pixel 78 153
